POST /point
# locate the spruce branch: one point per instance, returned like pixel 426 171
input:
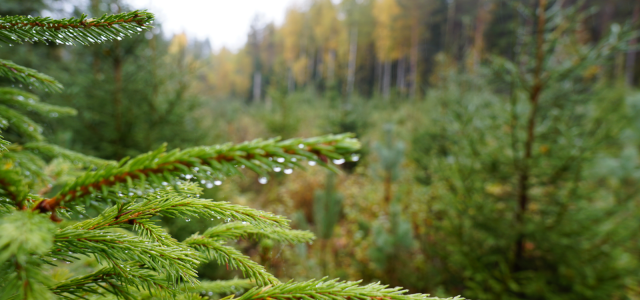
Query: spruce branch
pixel 160 167
pixel 31 102
pixel 221 287
pixel 24 236
pixel 182 203
pixel 17 29
pixel 325 289
pixel 236 230
pixel 212 250
pixel 177 262
pixel 13 186
pixel 54 151
pixel 22 124
pixel 110 281
pixel 28 76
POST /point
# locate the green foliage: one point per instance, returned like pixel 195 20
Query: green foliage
pixel 391 238
pixel 327 207
pixel 390 152
pixel 511 191
pixel 17 29
pixel 131 256
pixel 31 77
pixel 330 289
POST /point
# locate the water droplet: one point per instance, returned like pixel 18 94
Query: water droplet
pixel 277 169
pixel 165 183
pixel 242 166
pixel 288 171
pixel 217 182
pixel 189 176
pixel 355 157
pixel 338 161
pixel 245 223
pixel 55 259
pixel 209 185
pixel 187 220
pixel 280 159
pixel 301 146
pixel 294 159
pixel 203 181
pixel 312 163
pixel 263 180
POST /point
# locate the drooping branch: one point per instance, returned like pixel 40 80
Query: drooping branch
pixel 215 251
pixel 28 76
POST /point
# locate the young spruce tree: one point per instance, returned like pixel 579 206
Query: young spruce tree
pixel 136 258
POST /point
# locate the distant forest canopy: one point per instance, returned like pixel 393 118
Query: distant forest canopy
pixel 394 47
pixel 372 47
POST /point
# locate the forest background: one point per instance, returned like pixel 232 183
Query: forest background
pixel 500 138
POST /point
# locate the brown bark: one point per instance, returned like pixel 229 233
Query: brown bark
pixel 448 36
pixel 482 19
pixel 534 96
pixel 387 190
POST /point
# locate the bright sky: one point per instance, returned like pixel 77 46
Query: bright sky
pixel 224 22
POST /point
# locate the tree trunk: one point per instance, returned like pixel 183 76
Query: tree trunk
pixel 310 64
pixel 117 97
pixel 331 62
pixel 523 177
pixel 386 82
pixel 631 55
pixel 319 64
pixel 448 35
pixel 400 76
pixel 291 84
pixel 257 86
pixel 414 60
pixel 378 79
pixel 387 190
pixel 353 51
pixel 607 15
pixel 483 17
